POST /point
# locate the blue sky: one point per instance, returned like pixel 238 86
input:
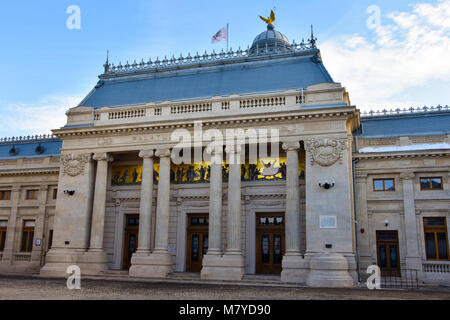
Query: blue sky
pixel 47 68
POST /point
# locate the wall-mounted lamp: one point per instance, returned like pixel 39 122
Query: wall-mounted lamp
pixel 69 192
pixel 386 222
pixel 326 185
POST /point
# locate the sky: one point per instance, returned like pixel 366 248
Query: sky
pixel 398 60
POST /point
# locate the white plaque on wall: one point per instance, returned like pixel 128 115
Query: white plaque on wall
pixel 328 222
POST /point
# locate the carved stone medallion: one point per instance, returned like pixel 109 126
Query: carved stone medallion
pixel 74 164
pixel 326 152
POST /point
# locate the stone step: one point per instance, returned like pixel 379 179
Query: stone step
pixel 184 275
pixel 118 273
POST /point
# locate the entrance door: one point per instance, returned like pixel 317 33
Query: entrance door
pixel 130 239
pixel 388 253
pixel 270 244
pixel 197 241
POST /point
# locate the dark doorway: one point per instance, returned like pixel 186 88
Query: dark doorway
pixel 130 239
pixel 270 242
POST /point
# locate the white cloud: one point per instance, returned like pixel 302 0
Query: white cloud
pixel 410 50
pixel 39 118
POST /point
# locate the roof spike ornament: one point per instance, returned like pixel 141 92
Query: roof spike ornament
pixel 107 65
pixel 313 40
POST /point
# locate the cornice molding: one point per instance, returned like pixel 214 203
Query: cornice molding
pixel 207 122
pixel 33 171
pixel 393 155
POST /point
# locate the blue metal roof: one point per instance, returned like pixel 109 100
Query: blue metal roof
pixel 28 149
pixel 269 75
pixel 419 124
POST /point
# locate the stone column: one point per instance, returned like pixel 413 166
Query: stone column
pixel 95 260
pixel 413 259
pixel 162 209
pixel 98 211
pixel 234 206
pixel 159 263
pixel 363 222
pixel 292 216
pixel 11 231
pixel 294 267
pixel 145 215
pixel 230 266
pixel 215 205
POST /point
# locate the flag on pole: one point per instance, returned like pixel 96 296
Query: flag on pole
pixel 221 35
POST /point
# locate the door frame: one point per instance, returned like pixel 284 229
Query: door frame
pixel 271 231
pixel 388 243
pixel 190 230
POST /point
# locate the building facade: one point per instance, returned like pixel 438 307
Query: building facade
pixel 230 164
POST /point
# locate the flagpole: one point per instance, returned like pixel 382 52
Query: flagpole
pixel 227 36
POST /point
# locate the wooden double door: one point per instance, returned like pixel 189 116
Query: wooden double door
pixel 388 253
pixel 197 241
pixel 130 239
pixel 270 242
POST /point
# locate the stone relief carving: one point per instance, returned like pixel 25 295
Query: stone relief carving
pixel 326 152
pixel 74 164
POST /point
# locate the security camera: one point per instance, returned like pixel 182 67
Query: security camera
pixel 326 185
pixel 69 192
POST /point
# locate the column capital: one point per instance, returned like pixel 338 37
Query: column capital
pixel 16 188
pixel 361 177
pixel 103 156
pixel 407 175
pixel 162 153
pixel 291 146
pixel 146 153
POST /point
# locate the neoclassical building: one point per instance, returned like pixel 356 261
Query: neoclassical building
pixel 303 186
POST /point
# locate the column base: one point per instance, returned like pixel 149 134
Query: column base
pixel 153 265
pixel 329 270
pixel 223 267
pixel 57 261
pixel 93 262
pixel 295 269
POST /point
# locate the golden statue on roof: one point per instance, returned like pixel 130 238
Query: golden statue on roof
pixel 269 20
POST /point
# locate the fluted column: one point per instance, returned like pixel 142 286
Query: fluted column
pixel 98 211
pixel 145 212
pixel 292 216
pixel 215 205
pixel 234 203
pixel 413 260
pixel 162 209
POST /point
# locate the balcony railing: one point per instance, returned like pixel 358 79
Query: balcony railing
pixel 275 103
pixel 22 257
pixel 436 268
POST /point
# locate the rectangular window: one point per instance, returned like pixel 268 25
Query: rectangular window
pixel 3 227
pixel 55 193
pixel 5 195
pixel 436 239
pixel 27 236
pixel 431 184
pixel 50 239
pixel 32 195
pixel 383 185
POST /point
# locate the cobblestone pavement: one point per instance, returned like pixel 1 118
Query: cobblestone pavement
pixel 33 288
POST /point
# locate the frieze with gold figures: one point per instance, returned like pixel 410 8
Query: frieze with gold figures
pixel 264 170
